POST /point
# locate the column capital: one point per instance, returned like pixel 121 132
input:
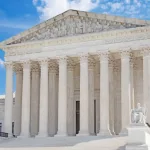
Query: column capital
pixel 26 63
pixel 125 54
pixel 35 67
pixel 9 64
pixel 53 68
pixel 70 66
pixel 83 58
pixel 91 63
pixel 62 59
pixel 145 52
pixel 103 56
pixel 43 61
pixel 116 66
pixel 131 61
pixel 18 68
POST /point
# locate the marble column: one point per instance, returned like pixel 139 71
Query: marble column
pixel 52 111
pixel 104 95
pixel 91 96
pixel 84 97
pixel 18 100
pixel 62 98
pixel 35 98
pixel 117 96
pixel 132 84
pixel 25 119
pixel 8 99
pixel 146 82
pixel 145 77
pixel 71 112
pixel 43 115
pixel 125 91
pixel 111 96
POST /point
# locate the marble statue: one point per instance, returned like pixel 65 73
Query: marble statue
pixel 138 115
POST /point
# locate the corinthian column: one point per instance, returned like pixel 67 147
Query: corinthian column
pixel 111 96
pixel 71 112
pixel 104 95
pixel 84 97
pixel 53 108
pixel 25 122
pixel 35 97
pixel 8 99
pixel 62 98
pixel 91 96
pixel 43 120
pixel 146 81
pixel 125 91
pixel 18 100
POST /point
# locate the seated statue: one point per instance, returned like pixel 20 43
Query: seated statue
pixel 138 115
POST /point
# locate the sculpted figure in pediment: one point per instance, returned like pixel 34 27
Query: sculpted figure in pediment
pixel 72 26
pixel 98 27
pixel 106 26
pixel 79 26
pixel 63 29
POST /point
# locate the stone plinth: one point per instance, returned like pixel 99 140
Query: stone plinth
pixel 138 137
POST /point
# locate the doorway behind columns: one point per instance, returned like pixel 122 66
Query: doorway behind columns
pixel 78 117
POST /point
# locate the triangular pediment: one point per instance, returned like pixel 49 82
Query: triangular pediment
pixel 72 23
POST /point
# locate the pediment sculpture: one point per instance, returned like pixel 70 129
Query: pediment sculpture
pixel 73 25
pixel 138 115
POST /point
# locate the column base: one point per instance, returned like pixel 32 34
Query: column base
pixel 83 133
pixel 24 136
pixel 42 135
pixel 61 134
pixel 104 133
pixel 123 132
pixel 113 133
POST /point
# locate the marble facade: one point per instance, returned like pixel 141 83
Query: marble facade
pixel 102 61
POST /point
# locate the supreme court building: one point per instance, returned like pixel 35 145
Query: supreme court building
pixel 79 73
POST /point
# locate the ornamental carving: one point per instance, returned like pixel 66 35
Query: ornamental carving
pixel 35 67
pixel 53 67
pixel 62 60
pixel 125 54
pixel 73 25
pixel 9 64
pixel 43 61
pixel 105 38
pixel 83 58
pixel 103 56
pixel 18 69
pixel 91 63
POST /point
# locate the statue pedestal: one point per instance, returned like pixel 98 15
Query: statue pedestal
pixel 138 137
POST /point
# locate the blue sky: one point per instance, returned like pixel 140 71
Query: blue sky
pixel 19 15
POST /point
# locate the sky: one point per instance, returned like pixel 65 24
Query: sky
pixel 19 15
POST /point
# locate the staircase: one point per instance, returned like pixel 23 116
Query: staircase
pixel 66 143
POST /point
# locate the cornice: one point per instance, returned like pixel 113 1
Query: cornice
pixel 110 37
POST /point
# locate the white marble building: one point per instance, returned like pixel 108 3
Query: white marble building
pixel 77 73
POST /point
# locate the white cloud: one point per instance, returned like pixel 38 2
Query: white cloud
pixel 128 1
pixel 1 63
pixel 116 6
pixel 50 8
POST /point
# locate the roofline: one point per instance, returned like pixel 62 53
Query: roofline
pixel 75 13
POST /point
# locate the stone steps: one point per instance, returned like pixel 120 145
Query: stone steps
pixel 65 143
